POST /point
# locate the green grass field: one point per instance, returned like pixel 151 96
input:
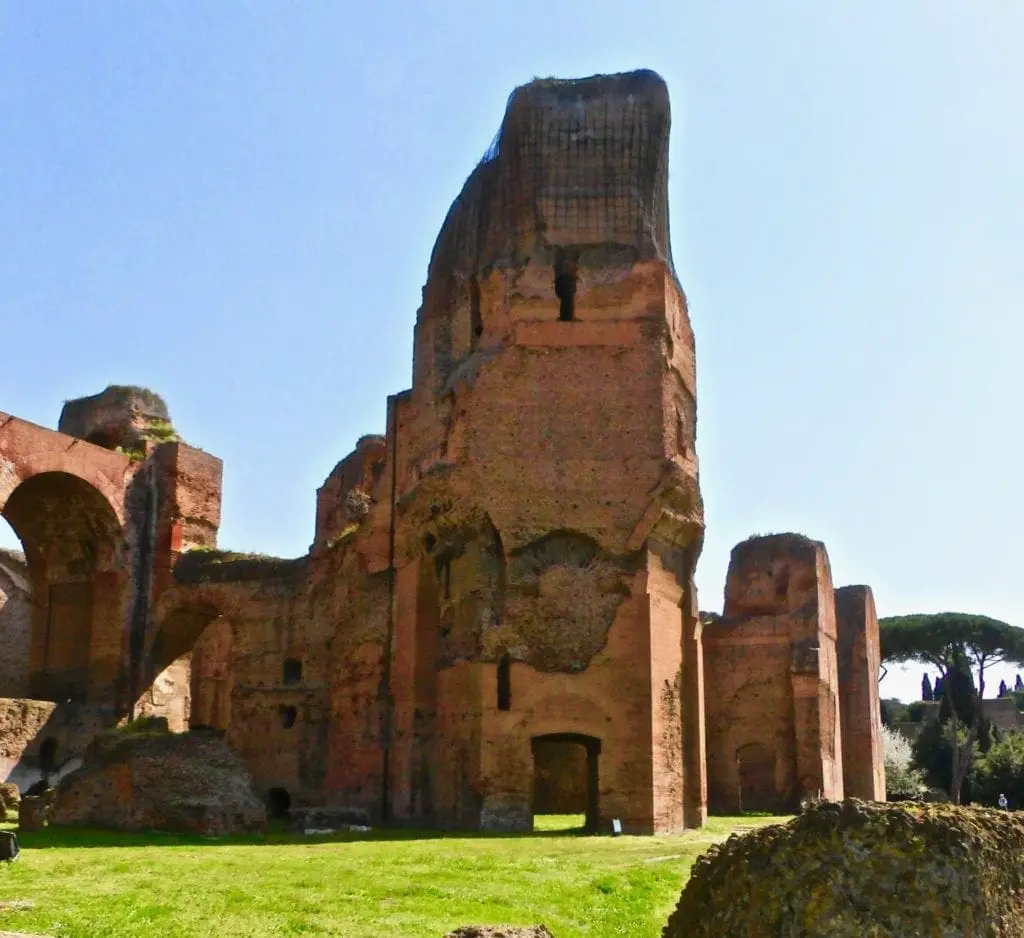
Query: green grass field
pixel 94 884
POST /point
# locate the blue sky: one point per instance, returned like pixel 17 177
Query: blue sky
pixel 234 203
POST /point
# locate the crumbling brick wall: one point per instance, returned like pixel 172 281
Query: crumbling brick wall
pixel 773 716
pixel 548 517
pixel 15 624
pixel 531 517
pixel 859 666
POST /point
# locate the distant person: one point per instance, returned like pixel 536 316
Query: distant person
pixel 1003 803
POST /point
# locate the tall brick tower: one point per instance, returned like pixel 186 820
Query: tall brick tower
pixel 546 516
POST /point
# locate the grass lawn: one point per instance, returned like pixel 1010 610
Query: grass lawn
pixel 91 884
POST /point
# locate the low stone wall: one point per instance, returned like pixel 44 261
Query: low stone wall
pixel 857 868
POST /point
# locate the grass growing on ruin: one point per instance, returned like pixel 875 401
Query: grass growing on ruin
pixel 395 883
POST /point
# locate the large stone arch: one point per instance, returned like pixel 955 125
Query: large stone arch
pixel 27 450
pixel 74 541
pixel 180 628
pixel 189 663
pixel 167 687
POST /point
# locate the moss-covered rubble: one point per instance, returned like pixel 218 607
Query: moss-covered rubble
pixel 861 869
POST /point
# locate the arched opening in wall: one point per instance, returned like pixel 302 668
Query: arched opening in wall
pixel 565 782
pixel 71 540
pixel 755 772
pixel 167 679
pixel 291 671
pixel 288 715
pixel 48 755
pixel 15 614
pixel 279 802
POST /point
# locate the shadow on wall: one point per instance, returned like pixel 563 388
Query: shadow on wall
pixel 46 739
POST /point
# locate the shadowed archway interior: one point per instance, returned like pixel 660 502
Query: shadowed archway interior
pixel 566 775
pixel 72 543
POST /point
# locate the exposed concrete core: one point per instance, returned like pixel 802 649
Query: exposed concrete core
pixel 121 416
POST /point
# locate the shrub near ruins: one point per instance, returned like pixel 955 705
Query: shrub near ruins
pixel 903 782
pixel 1001 771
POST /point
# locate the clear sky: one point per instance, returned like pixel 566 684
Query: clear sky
pixel 234 203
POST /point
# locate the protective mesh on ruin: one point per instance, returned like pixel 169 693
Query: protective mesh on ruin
pixel 576 162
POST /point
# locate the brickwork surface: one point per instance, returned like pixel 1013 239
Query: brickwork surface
pixel 859 662
pixel 510 562
pixel 773 723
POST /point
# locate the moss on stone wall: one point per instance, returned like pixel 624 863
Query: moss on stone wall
pixel 222 566
pixel 862 869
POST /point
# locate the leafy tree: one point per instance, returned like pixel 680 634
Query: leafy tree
pixel 893 711
pixel 1001 771
pixel 937 693
pixel 933 756
pixel 959 694
pixel 926 688
pixel 959 645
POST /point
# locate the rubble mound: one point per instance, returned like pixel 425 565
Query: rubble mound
pixel 853 869
pixel 143 777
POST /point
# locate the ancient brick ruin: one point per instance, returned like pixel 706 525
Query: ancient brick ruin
pixel 794 665
pixel 497 614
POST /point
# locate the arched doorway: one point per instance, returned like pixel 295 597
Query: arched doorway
pixel 755 767
pixel 566 775
pixel 169 675
pixel 279 802
pixel 72 543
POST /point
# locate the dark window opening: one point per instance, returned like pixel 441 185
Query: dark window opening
pixel 504 683
pixel 288 716
pixel 429 543
pixel 279 802
pixel 444 573
pixel 291 673
pixel 565 288
pixel 476 323
pixel 782 584
pixel 48 755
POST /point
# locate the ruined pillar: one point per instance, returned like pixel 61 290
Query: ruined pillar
pixel 773 720
pixel 695 777
pixel 665 621
pixel 859 662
